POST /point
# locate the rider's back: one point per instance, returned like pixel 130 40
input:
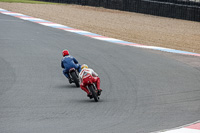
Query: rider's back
pixel 68 61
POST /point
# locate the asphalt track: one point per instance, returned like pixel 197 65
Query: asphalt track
pixel 143 90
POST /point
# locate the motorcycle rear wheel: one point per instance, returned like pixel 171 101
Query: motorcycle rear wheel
pixel 75 78
pixel 94 94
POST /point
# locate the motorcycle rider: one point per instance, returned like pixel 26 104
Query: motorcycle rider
pixel 84 72
pixel 69 62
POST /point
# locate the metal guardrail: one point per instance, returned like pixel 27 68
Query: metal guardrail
pixel 181 9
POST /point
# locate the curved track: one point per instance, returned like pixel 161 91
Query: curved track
pixel 143 91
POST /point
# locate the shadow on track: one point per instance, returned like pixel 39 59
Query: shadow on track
pixel 87 100
pixel 66 86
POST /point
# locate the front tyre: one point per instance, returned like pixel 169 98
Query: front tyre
pixel 75 78
pixel 94 94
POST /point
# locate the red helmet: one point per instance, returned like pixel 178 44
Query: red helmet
pixel 65 52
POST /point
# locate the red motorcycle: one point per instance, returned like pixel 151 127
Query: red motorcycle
pixel 91 86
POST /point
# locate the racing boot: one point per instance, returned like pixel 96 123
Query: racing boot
pixel 90 96
pixel 70 80
pixel 99 92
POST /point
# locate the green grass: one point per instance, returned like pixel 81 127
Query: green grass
pixel 27 1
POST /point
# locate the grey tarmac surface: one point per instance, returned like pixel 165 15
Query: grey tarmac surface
pixel 143 90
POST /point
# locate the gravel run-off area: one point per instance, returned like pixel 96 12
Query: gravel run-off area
pixel 128 26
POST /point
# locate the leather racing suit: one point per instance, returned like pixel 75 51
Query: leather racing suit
pixel 95 79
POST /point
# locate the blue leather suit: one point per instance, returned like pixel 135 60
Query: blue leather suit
pixel 69 62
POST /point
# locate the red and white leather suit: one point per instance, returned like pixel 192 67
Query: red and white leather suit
pixel 96 79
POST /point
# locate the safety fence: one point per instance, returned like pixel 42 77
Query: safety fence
pixel 180 9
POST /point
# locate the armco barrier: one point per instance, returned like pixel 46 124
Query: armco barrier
pixel 180 9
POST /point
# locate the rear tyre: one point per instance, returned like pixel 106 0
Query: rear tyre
pixel 94 94
pixel 75 78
